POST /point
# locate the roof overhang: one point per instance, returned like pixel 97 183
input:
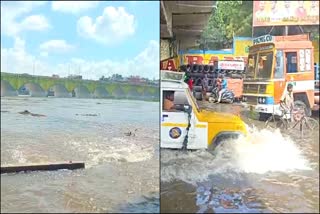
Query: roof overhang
pixel 185 19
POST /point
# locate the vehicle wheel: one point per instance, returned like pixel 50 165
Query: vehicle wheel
pixel 211 99
pixel 301 104
pixel 312 123
pixel 274 122
pixel 214 97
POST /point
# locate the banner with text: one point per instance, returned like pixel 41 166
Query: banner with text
pixel 275 13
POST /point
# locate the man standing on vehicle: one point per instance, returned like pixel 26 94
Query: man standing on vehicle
pixel 223 84
pixel 286 101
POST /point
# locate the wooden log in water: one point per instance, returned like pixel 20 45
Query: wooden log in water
pixel 42 167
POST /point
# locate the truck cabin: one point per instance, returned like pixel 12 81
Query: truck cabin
pixel 274 64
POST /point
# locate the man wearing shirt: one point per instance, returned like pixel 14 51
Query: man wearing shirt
pixel 261 12
pixel 168 103
pixel 286 101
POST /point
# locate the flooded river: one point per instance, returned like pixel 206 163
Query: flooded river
pixel 121 174
pixel 274 172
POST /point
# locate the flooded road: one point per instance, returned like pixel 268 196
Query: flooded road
pixel 121 174
pixel 274 172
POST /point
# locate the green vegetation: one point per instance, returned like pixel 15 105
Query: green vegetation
pixel 229 19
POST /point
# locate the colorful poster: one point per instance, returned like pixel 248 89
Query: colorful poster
pixel 275 13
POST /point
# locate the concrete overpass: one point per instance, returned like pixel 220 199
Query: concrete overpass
pixel 41 86
pixel 183 22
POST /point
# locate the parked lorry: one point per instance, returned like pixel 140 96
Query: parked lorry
pixel 273 63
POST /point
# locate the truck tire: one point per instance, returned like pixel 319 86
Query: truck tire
pixel 211 69
pixel 188 68
pixel 183 68
pixel 195 68
pixel 206 69
pixel 200 69
pixel 198 95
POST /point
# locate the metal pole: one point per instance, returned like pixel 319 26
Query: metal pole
pixel 286 29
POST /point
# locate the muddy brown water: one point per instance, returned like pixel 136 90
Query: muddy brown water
pixel 274 172
pixel 121 174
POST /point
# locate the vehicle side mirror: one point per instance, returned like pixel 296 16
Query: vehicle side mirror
pixel 187 108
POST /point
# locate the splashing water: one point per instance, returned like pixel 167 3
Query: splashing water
pixel 268 151
pixel 18 156
pixel 117 149
pixel 261 152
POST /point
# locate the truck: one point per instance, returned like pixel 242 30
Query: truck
pixel 273 63
pixel 188 126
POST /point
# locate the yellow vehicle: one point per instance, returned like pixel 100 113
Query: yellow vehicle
pixel 274 62
pixel 186 126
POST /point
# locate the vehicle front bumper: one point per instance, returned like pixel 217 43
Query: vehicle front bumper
pixel 266 108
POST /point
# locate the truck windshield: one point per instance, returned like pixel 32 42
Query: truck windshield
pixel 264 65
pixel 260 65
pixel 252 59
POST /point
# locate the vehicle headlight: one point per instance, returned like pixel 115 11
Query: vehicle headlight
pixel 263 100
pixel 259 100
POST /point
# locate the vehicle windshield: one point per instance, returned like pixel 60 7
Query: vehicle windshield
pixel 264 65
pixel 251 65
pixel 260 65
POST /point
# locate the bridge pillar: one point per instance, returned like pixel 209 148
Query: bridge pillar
pixel 7 90
pixel 82 92
pixel 35 90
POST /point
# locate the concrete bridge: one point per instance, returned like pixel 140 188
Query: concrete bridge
pixel 41 86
